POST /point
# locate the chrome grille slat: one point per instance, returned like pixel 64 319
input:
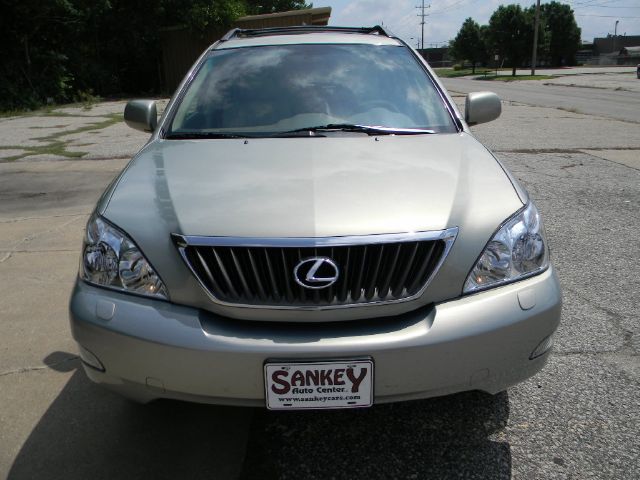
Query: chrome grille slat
pixel 225 275
pixel 275 292
pixel 372 290
pixel 262 275
pixel 407 269
pixel 301 291
pixel 256 275
pixel 356 290
pixel 247 292
pixel 344 281
pixel 286 274
pixel 207 271
pixel 390 268
pixel 330 292
pixel 423 267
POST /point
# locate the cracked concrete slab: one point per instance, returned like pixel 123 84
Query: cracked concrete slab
pixel 575 419
pixel 612 104
pixel 36 288
pixel 34 235
pixel 542 128
pixel 10 152
pixel 626 81
pixel 593 438
pixel 56 365
pixel 116 141
pixel 43 210
pixel 102 108
pixel 24 401
pixel 53 188
pixel 65 427
pixel 20 131
pixel 578 418
pixel 590 211
pixel 586 330
pixel 628 157
pixel 91 132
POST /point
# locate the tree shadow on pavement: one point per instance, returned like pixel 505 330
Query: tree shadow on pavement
pixel 90 433
pixel 444 438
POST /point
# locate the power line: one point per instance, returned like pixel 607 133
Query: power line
pixel 601 16
pixel 405 26
pixel 423 15
pixel 607 6
pixel 453 6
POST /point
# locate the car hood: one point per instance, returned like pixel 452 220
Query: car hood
pixel 312 187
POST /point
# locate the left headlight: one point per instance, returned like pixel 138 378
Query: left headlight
pixel 517 250
pixel 111 259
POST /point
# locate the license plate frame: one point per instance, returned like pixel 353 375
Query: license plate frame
pixel 354 388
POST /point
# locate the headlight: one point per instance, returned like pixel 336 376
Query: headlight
pixel 111 259
pixel 516 251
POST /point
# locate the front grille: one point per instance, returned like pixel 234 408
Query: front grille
pixel 264 276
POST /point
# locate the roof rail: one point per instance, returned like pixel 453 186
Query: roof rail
pixel 230 34
pixel 292 30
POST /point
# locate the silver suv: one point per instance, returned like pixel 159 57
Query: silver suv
pixel 312 225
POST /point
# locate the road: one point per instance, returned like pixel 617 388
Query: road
pixel 620 105
pixel 579 418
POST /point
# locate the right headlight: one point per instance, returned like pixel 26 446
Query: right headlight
pixel 111 259
pixel 517 250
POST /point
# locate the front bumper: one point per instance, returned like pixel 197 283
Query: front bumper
pixel 152 349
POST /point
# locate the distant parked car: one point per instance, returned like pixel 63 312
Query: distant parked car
pixel 638 71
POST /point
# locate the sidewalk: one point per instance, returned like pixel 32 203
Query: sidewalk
pixel 609 78
pixel 620 81
pixel 579 70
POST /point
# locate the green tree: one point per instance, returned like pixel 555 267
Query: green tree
pixel 201 15
pixel 33 64
pixel 562 31
pixel 469 44
pixel 258 7
pixel 60 49
pixel 511 35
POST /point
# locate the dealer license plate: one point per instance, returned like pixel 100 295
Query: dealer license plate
pixel 316 385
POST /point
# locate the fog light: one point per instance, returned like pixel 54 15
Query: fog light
pixel 90 359
pixel 543 347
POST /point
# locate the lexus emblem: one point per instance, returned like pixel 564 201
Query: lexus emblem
pixel 316 273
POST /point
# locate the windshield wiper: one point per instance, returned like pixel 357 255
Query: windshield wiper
pixel 197 135
pixel 348 127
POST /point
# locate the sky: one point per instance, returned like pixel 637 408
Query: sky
pixel 596 17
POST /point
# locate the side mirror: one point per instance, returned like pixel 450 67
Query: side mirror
pixel 141 115
pixel 482 107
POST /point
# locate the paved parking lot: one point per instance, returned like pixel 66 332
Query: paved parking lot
pixel 579 418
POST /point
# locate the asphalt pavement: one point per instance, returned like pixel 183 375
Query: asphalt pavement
pixel 609 103
pixel 579 418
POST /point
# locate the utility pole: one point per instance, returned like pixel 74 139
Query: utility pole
pixel 422 15
pixel 615 35
pixel 534 55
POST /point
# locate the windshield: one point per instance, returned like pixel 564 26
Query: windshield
pixel 264 91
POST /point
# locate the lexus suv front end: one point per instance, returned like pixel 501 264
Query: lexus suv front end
pixel 312 225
